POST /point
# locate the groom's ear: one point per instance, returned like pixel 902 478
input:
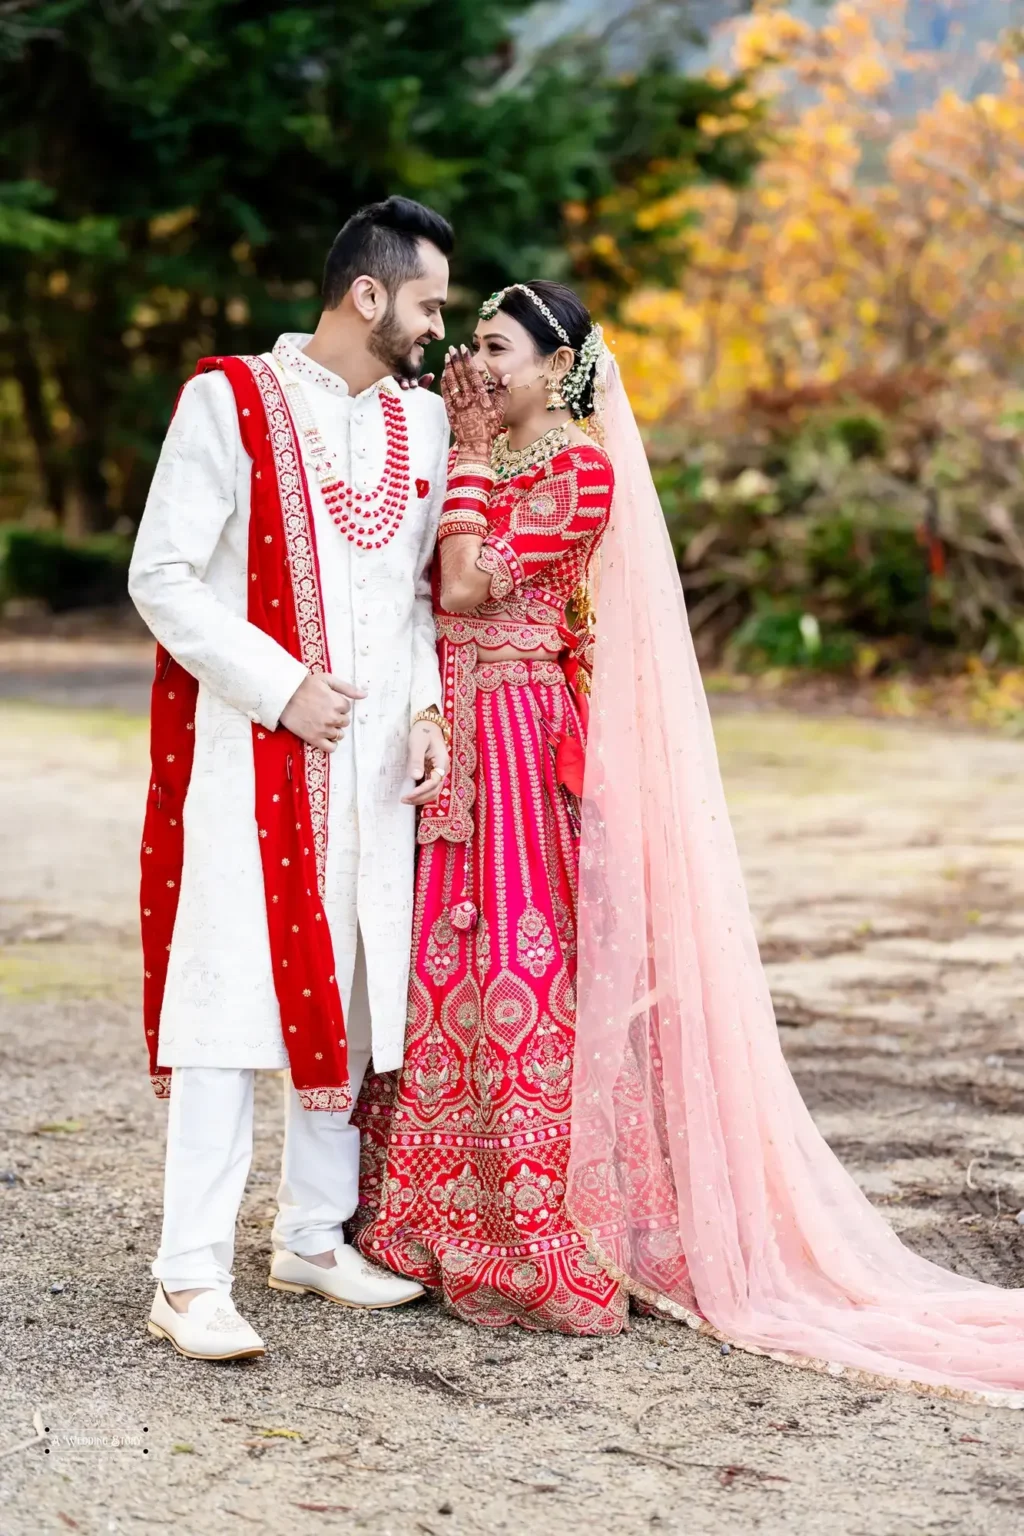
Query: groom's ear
pixel 369 297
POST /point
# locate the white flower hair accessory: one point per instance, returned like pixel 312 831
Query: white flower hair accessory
pixel 574 385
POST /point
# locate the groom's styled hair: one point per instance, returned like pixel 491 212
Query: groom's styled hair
pixel 381 241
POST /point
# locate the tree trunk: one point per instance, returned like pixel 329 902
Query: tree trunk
pixel 87 400
pixel 29 378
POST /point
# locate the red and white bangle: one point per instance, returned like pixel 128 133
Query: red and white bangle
pixel 465 504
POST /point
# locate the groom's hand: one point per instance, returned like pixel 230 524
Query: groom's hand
pixel 319 710
pixel 428 763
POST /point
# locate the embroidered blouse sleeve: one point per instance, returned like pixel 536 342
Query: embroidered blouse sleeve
pixel 564 508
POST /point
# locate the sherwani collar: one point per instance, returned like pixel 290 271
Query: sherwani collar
pixel 289 353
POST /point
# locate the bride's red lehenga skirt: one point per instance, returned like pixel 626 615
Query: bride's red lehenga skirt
pixel 464 1164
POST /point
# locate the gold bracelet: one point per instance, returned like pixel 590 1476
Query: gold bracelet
pixel 434 717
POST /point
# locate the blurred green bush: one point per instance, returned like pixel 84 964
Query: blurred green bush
pixel 45 566
pixel 847 534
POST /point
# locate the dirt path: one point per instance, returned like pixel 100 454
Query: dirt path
pixel 886 870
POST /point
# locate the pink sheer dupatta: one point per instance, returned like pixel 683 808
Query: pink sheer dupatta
pixel 697 1172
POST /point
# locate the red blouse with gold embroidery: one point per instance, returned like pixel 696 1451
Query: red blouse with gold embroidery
pixel 540 531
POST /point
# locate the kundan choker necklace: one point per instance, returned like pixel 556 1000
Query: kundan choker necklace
pixel 508 462
pixel 368 519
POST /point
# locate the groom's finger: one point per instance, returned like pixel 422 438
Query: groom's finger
pixel 417 760
pixel 425 792
pixel 440 762
pixel 350 690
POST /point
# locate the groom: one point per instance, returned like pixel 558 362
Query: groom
pixel 282 564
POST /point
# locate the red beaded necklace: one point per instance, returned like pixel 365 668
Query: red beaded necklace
pixel 369 519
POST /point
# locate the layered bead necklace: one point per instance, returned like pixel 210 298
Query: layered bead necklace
pixel 368 519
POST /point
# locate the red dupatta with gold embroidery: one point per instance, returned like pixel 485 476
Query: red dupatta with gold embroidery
pixel 290 807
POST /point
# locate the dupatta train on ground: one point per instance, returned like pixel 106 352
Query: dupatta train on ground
pixel 697 1172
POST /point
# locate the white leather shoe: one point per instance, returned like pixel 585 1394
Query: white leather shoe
pixel 211 1329
pixel 352 1282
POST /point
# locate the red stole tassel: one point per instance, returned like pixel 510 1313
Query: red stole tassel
pixel 570 760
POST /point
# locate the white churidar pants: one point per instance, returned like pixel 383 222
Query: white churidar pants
pixel 209 1149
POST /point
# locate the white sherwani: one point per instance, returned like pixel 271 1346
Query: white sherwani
pixel 189 581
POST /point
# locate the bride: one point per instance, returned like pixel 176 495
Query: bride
pixel 594 1103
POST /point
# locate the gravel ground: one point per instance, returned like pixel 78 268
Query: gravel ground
pixel 886 873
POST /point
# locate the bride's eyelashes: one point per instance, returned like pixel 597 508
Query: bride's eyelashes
pixel 491 348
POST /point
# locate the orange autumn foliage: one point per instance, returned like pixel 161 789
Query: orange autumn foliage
pixel 867 242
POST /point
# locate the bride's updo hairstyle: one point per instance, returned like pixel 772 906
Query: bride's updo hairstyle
pixel 574 318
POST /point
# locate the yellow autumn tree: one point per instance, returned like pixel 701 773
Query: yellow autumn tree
pixel 864 244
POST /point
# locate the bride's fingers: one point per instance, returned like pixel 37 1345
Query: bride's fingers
pixel 498 399
pixel 450 379
pixel 474 377
pixel 448 386
pixel 460 375
pixel 470 381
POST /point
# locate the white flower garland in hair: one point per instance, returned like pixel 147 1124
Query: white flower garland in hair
pixel 574 385
pixel 603 362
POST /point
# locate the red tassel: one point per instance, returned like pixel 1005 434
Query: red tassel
pixel 569 762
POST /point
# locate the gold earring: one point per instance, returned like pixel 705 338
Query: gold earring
pixel 556 400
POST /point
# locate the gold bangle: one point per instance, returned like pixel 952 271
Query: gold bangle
pixel 455 523
pixel 471 467
pixel 434 717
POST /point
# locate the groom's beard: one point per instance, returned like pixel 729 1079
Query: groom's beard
pixel 395 347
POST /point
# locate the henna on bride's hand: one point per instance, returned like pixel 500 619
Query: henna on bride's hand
pixel 475 412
